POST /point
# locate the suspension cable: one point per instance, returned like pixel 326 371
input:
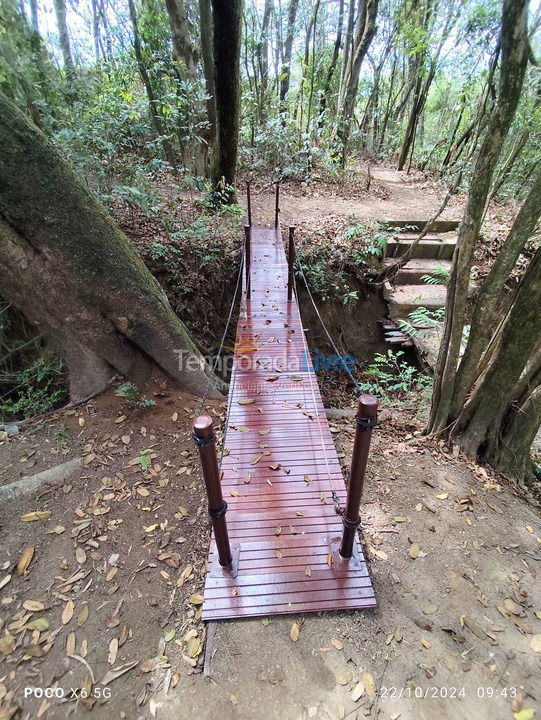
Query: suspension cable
pixel 338 354
pixel 230 315
pixel 335 497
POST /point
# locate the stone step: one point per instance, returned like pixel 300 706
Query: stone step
pixel 438 226
pixel 406 298
pixel 435 237
pixel 412 272
pixel 436 249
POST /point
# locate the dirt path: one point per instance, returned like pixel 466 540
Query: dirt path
pixel 407 199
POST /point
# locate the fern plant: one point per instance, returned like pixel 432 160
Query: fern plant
pixel 438 276
pixel 421 318
pixel 391 373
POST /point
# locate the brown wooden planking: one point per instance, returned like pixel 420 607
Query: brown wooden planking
pixel 286 528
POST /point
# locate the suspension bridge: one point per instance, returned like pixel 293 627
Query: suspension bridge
pixel 284 528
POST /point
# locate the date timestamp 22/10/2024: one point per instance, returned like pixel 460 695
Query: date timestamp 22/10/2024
pixel 445 692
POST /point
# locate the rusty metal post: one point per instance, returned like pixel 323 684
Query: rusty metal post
pixel 277 207
pixel 203 434
pixel 247 259
pixel 249 203
pixel 290 262
pixel 366 421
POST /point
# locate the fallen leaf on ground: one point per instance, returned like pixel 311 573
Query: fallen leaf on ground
pixel 358 691
pixel 36 515
pixel 33 605
pixel 370 684
pixel 344 677
pixel 24 560
pixel 295 631
pixel 117 672
pixel 526 714
pixel 67 613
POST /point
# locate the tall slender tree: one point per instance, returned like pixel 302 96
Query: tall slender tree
pixel 324 100
pixel 285 71
pixel 206 33
pixel 153 104
pixel 64 38
pixel 184 50
pixel 365 30
pixel 227 32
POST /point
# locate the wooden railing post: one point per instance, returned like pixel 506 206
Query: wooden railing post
pixel 291 263
pixel 277 206
pixel 249 203
pixel 203 434
pixel 366 421
pixel 247 259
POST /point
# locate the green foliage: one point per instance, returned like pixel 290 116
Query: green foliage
pixel 132 395
pixel 421 318
pixel 62 434
pixel 144 459
pixel 39 387
pixel 218 197
pixel 129 391
pixel 282 152
pixel 354 229
pixel 134 197
pixel 438 276
pixel 350 297
pixel 391 374
pixel 378 244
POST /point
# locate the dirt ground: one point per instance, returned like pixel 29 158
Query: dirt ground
pixel 118 565
pixel 405 197
pixel 101 575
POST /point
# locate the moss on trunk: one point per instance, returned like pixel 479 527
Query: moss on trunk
pixel 69 269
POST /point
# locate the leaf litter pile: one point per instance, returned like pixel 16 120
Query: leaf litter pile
pixel 101 577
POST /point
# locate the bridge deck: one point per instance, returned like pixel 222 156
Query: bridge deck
pixel 280 467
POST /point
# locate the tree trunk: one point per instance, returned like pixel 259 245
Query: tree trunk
pixel 424 78
pixel 65 47
pixel 330 72
pixel 507 166
pixel 479 424
pixel 288 49
pixel 348 42
pixel 512 452
pixel 488 305
pixel 72 272
pixel 34 15
pixel 184 51
pixel 263 58
pixel 514 54
pixel 96 29
pixel 154 108
pixel 364 32
pixel 306 59
pixel 205 20
pixel 227 40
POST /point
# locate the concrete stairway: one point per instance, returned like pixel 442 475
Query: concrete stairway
pixel 407 290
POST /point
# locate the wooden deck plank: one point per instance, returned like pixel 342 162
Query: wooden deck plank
pixel 284 518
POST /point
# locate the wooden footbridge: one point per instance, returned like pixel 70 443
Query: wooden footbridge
pixel 283 545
